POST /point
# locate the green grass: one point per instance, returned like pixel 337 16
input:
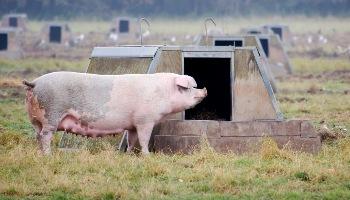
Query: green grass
pixel 305 65
pixel 332 86
pixel 318 96
pixel 333 109
pixel 77 26
pixel 13 116
pixel 31 67
pixel 271 173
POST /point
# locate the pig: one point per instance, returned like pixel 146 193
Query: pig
pixel 99 105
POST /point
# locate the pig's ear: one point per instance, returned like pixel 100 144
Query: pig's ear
pixel 182 81
pixel 192 81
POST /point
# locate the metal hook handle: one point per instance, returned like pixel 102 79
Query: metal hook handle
pixel 141 33
pixel 206 30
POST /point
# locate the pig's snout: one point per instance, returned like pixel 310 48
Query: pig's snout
pixel 202 93
pixel 205 92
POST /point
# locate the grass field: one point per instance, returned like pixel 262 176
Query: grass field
pixel 106 174
pixel 318 90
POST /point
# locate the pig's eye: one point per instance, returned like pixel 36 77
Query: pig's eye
pixel 183 89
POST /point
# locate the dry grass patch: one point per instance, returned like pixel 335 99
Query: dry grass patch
pixel 272 173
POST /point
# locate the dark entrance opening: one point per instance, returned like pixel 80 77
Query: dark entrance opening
pixel 55 34
pixel 277 30
pixel 235 43
pixel 13 22
pixel 254 32
pixel 215 75
pixel 124 26
pixel 265 45
pixel 3 41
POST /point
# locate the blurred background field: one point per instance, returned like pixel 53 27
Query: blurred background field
pixel 185 25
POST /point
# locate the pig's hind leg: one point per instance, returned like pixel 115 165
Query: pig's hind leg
pixel 144 132
pixel 44 139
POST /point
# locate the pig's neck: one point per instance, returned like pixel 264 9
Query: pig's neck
pixel 175 105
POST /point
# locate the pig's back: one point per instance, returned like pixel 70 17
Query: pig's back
pixel 58 92
pixel 99 96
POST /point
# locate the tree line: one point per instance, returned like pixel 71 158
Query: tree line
pixel 104 9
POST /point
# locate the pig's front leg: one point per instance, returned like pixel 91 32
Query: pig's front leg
pixel 144 132
pixel 132 138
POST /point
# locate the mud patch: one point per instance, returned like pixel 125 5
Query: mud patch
pixel 328 75
pixel 314 90
pixel 12 93
pixel 11 88
pixel 338 75
pixel 292 100
pixel 10 82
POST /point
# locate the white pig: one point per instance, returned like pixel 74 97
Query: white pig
pixel 98 105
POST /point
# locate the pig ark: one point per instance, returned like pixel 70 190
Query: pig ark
pixel 98 105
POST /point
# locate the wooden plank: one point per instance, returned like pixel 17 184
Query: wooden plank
pixel 250 40
pixel 251 98
pixel 119 65
pixel 170 61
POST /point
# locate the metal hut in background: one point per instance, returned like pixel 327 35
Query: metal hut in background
pixel 18 21
pixel 10 43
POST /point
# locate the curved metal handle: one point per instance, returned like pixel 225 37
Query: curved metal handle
pixel 206 30
pixel 141 33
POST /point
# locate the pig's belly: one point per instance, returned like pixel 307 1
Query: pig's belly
pixel 98 129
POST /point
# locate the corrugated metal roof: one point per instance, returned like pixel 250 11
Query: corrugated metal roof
pixel 126 51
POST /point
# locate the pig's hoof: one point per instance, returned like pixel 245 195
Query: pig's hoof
pixel 46 153
pixel 145 153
